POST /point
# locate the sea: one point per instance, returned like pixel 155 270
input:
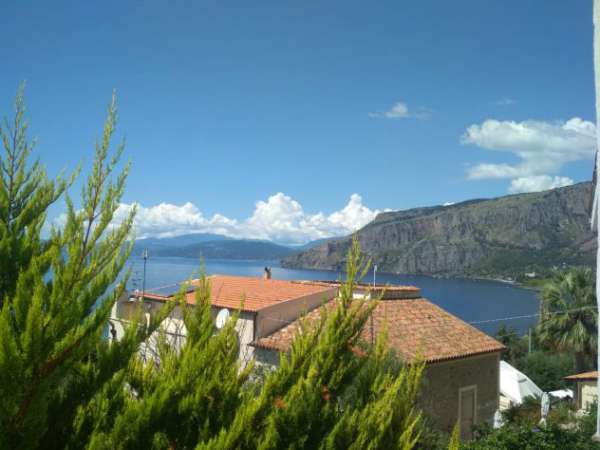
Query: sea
pixel 486 304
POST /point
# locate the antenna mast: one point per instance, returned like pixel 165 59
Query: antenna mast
pixel 145 256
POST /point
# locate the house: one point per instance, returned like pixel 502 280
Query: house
pixel 515 386
pixel 586 389
pixel 264 305
pixel 462 375
pixel 461 379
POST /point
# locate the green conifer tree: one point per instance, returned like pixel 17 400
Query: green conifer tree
pixel 56 294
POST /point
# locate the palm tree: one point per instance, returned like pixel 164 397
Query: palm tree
pixel 569 317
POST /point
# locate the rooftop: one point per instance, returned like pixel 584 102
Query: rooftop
pixel 585 376
pixel 381 291
pixel 417 329
pixel 228 291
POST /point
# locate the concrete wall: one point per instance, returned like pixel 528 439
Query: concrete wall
pixel 439 393
pixel 125 311
pixel 245 331
pixel 274 317
pixel 587 394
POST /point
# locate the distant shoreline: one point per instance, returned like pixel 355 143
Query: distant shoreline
pixel 277 263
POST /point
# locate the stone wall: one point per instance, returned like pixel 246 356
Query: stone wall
pixel 439 393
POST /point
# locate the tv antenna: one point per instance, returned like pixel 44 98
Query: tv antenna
pixel 145 256
pixel 374 274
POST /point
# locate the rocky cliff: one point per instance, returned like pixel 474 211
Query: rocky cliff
pixel 505 236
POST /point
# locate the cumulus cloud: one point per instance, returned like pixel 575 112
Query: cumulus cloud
pixel 537 183
pixel 280 218
pixel 542 147
pixel 400 111
pixel 166 220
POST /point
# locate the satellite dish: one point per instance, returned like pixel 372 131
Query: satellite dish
pixel 222 318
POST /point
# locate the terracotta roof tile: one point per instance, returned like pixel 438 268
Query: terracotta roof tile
pixel 586 376
pixel 228 291
pixel 417 329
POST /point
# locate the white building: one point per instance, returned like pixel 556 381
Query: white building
pixel 265 305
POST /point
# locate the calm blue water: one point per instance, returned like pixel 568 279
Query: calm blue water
pixel 471 300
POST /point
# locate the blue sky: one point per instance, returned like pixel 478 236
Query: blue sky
pixel 271 115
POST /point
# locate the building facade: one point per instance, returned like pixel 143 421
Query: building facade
pixel 462 364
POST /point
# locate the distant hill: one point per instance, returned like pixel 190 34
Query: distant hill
pixel 311 244
pixel 211 246
pixel 155 245
pixel 228 249
pixel 505 236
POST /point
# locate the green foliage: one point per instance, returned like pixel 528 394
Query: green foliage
pixel 569 318
pixel 56 294
pixel 431 437
pixel 516 346
pixel 528 412
pixel 587 422
pixel 25 195
pixel 454 443
pixel 527 437
pixel 547 370
pixel 545 367
pixel 565 429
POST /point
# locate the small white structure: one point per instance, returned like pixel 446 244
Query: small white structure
pixel 562 394
pixel 586 392
pixel 515 386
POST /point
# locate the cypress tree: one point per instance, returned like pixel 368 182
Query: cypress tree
pixel 57 293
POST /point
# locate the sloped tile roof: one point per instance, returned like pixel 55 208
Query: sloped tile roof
pixel 417 329
pixel 228 291
pixel 586 376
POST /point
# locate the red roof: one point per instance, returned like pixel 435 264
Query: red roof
pixel 417 329
pixel 228 291
pixel 586 376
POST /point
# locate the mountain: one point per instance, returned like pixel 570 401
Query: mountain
pixel 499 237
pixel 228 249
pixel 157 245
pixel 310 244
pixel 211 246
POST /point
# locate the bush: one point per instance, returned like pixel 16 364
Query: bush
pixel 526 437
pixel 547 370
pixel 587 422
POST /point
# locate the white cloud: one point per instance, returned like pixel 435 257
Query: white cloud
pixel 448 203
pixel 538 183
pixel 280 218
pixel 165 219
pixel 542 147
pixel 400 111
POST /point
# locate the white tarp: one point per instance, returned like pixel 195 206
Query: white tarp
pixel 562 394
pixel 515 385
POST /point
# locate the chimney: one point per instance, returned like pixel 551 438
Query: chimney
pixel 267 275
